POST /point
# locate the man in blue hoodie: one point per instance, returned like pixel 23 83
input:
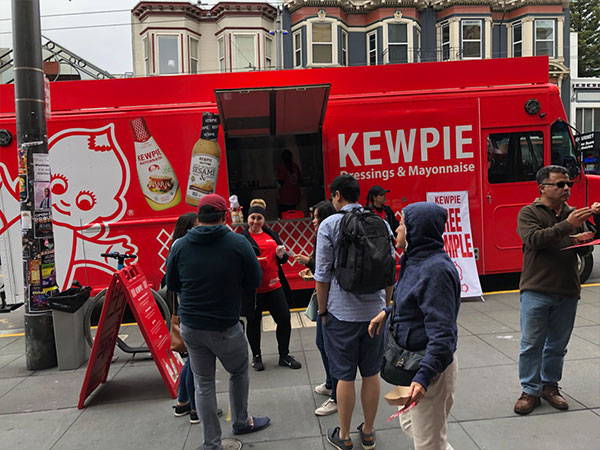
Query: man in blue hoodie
pixel 210 268
pixel 426 303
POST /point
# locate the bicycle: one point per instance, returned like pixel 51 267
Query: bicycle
pixel 94 308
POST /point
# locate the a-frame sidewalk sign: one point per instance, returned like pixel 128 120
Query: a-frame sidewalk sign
pixel 130 286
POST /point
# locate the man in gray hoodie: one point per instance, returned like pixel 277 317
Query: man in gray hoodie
pixel 210 268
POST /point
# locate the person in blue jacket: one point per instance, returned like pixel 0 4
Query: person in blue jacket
pixel 423 317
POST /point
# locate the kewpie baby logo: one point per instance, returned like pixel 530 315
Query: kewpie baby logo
pixel 90 177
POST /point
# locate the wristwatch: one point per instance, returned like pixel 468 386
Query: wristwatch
pixel 321 314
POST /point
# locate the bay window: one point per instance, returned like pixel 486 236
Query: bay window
pixel 471 39
pixel 168 54
pixel 544 37
pixel 322 43
pixel 397 43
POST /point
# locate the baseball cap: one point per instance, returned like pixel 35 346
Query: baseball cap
pixel 214 200
pixel 378 190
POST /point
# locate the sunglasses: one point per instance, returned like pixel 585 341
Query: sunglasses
pixel 560 184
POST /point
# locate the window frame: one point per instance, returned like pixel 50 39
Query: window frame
pixel 344 47
pixel 252 65
pixel 417 45
pixel 443 43
pixel 194 58
pixel 515 42
pixel 147 51
pixel 582 113
pixel 297 36
pixel 268 44
pixel 471 22
pixel 397 44
pixel 331 44
pixel 179 63
pixel 536 40
pixel 375 50
pixel 504 170
pixel 221 54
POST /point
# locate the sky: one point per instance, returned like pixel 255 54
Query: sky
pixel 102 35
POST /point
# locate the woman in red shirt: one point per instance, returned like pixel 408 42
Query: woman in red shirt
pixel 271 253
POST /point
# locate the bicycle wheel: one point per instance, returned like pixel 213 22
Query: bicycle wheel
pixel 94 308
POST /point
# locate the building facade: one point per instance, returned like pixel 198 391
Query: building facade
pixel 178 37
pixel 585 96
pixel 171 38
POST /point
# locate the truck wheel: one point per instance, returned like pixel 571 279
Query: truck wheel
pixel 585 265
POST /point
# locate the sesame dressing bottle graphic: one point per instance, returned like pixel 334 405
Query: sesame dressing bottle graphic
pixel 204 166
pixel 157 178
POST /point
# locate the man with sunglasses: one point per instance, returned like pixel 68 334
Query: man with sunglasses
pixel 550 286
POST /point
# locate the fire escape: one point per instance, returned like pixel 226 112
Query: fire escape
pixel 60 59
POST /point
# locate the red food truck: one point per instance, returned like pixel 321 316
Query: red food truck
pixel 128 156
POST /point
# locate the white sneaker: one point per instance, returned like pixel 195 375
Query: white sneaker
pixel 322 389
pixel 328 407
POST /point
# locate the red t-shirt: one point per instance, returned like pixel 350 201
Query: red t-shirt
pixel 380 212
pixel 270 277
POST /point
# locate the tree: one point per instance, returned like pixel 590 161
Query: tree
pixel 585 19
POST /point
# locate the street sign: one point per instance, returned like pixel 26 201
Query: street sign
pixel 589 145
pixel 130 286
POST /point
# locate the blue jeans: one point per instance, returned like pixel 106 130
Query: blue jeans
pixel 546 326
pixel 330 382
pixel 231 347
pixel 186 386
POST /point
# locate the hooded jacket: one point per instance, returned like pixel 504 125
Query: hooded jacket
pixel 427 295
pixel 210 267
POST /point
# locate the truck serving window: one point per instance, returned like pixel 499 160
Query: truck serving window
pixel 563 149
pixel 514 157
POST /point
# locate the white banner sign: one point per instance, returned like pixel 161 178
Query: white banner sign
pixel 458 239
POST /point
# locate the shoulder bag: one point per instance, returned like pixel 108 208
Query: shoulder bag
pixel 399 365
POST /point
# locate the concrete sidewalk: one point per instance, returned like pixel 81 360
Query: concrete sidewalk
pixel 133 410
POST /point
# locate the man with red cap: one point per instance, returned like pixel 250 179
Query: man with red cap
pixel 210 268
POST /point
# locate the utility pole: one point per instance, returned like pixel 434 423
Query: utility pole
pixel 279 32
pixel 34 174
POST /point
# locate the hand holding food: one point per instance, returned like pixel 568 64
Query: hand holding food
pixel 280 251
pixel 302 259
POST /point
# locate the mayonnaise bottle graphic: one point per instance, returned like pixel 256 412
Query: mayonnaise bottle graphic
pixel 204 166
pixel 157 177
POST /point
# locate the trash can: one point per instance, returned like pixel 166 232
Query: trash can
pixel 67 315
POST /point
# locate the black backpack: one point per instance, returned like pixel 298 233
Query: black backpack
pixel 363 262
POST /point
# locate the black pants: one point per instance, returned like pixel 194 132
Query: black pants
pixel 277 305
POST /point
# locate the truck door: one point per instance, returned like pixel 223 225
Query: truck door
pixel 513 158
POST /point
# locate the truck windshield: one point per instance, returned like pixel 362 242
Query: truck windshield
pixel 563 150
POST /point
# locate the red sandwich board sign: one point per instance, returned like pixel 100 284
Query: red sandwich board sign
pixel 130 286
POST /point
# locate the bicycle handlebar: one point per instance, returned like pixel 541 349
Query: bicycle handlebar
pixel 120 257
pixel 117 255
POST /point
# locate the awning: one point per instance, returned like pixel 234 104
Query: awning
pixel 272 111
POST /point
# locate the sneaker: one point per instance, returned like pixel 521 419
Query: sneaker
pixel 551 393
pixel 254 424
pixel 526 403
pixel 257 363
pixel 182 410
pixel 194 417
pixel 333 437
pixel 322 389
pixel 289 361
pixel 367 440
pixel 328 407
